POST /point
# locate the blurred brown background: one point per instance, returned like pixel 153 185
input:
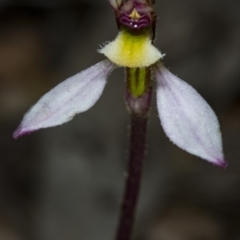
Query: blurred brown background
pixel 66 183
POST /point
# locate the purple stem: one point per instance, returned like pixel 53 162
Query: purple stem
pixel 133 181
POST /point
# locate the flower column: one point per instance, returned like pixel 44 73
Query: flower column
pixel 133 50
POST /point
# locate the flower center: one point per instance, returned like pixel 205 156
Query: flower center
pixel 131 50
pixel 134 20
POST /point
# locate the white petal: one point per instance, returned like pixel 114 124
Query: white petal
pixel 74 95
pixel 187 119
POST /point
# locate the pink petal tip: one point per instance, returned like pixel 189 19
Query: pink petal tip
pixel 19 132
pixel 221 163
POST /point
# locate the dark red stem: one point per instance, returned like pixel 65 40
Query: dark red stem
pixel 133 181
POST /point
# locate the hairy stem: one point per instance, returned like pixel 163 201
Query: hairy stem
pixel 133 181
pixel 138 99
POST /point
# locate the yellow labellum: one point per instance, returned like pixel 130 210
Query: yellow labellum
pixel 130 50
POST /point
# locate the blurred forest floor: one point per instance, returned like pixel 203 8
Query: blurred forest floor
pixel 66 183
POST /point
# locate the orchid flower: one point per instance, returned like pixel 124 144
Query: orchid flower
pixel 186 118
